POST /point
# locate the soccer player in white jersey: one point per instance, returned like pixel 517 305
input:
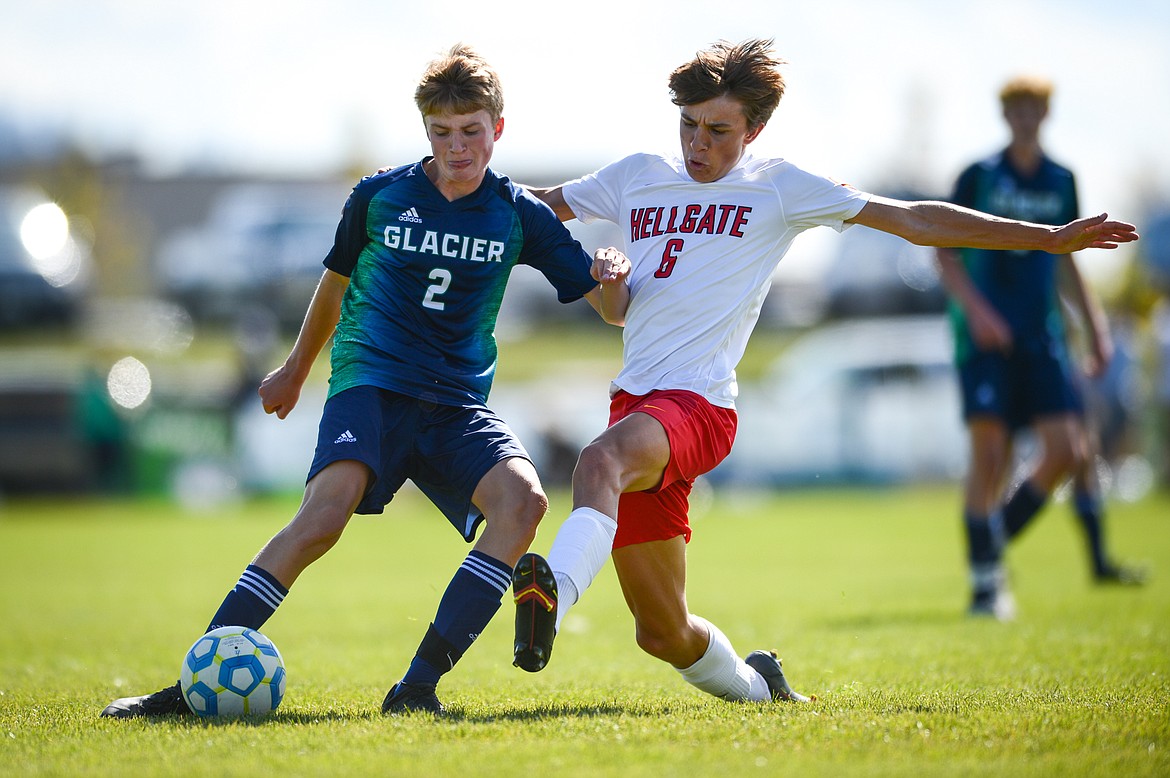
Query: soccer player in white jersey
pixel 703 233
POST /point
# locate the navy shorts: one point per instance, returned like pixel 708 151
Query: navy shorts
pixel 445 450
pixel 1020 387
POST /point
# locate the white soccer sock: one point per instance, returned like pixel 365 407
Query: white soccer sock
pixel 578 553
pixel 720 671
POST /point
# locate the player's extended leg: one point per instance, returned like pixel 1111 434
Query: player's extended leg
pixel 1062 453
pixel 653 580
pixel 330 499
pixel 990 443
pixel 1089 506
pixel 513 503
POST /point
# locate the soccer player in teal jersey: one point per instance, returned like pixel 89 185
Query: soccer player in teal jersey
pixel 1012 352
pixel 410 295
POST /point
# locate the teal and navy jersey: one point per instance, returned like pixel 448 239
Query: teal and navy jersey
pixel 1021 285
pixel 427 277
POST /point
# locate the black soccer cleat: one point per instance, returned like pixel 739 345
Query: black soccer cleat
pixel 1122 575
pixel 409 697
pixel 535 591
pixel 768 665
pixel 165 702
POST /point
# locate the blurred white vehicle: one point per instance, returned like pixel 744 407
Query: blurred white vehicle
pixel 261 247
pixel 872 400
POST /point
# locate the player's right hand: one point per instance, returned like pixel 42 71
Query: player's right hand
pixel 989 330
pixel 279 392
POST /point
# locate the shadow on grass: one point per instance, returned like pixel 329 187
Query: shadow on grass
pixel 453 714
pixel 550 711
pixel 887 619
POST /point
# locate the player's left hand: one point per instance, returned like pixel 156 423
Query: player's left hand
pixel 610 266
pixel 1094 232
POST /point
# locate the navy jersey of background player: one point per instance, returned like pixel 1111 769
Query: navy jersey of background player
pixel 1021 285
pixel 427 276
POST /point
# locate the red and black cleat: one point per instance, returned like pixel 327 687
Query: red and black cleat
pixel 535 592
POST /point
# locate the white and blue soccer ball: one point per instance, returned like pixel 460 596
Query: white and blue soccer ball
pixel 232 671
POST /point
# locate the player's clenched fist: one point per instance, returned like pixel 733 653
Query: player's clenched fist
pixel 279 392
pixel 610 266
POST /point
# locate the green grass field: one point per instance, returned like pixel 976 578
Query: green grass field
pixel 862 592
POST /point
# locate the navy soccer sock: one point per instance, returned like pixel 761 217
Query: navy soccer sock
pixel 1089 511
pixel 1021 508
pixel 472 598
pixel 252 601
pixel 985 541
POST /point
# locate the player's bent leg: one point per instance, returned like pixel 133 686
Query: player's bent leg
pixel 653 579
pixel 652 576
pixel 1064 450
pixel 330 499
pixel 513 503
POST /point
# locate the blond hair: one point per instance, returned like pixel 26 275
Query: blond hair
pixel 460 82
pixel 1026 87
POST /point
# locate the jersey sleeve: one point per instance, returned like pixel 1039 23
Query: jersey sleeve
pixel 551 248
pixel 598 195
pixel 811 200
pixel 351 236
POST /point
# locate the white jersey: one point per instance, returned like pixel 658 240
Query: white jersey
pixel 703 255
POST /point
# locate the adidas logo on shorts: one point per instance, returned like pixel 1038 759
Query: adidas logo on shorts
pixel 410 215
pixel 346 437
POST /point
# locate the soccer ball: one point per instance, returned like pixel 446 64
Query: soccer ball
pixel 232 671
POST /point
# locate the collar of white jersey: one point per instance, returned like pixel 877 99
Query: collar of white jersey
pixel 738 171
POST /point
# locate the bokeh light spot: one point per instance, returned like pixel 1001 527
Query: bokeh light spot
pixel 129 382
pixel 44 231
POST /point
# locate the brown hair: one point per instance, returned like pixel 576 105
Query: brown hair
pixel 1026 88
pixel 748 72
pixel 460 82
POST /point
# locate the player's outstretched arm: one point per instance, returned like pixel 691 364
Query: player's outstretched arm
pixel 931 223
pixel 281 389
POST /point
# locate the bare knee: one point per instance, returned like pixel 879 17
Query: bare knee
pixel 597 461
pixel 518 516
pixel 1062 457
pixel 530 509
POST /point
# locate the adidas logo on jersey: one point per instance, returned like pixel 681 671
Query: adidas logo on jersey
pixel 410 216
pixel 346 437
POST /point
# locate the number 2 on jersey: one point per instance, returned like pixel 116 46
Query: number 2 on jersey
pixel 669 257
pixel 442 279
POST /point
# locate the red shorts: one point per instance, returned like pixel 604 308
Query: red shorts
pixel 700 436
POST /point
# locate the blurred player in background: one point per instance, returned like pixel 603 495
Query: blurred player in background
pixel 410 295
pixel 704 232
pixel 1012 352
